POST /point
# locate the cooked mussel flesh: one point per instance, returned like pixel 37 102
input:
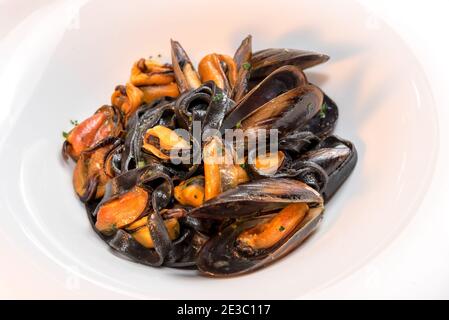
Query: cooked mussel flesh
pixel 104 124
pixel 219 68
pixel 263 237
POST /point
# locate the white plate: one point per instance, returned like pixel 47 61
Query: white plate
pixel 66 58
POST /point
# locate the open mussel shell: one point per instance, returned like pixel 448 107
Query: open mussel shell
pixel 337 157
pixel 185 74
pixel 159 188
pixel 287 112
pixel 323 165
pixel 91 171
pixel 266 61
pixel 278 93
pixel 256 198
pixel 159 113
pixel 106 123
pixel 221 256
pixel 284 165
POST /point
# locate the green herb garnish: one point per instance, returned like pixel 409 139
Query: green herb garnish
pixel 238 125
pixel 243 166
pixel 323 110
pixel 246 66
pixel 65 134
pixel 218 97
pixel 281 228
pixel 74 122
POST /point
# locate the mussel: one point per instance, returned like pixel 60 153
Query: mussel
pixel 190 192
pixel 266 61
pixel 219 68
pixel 242 58
pixel 186 76
pixel 337 157
pixel 274 217
pixel 149 81
pixel 91 171
pixel 324 165
pixel 254 198
pixel 324 122
pixel 282 101
pixel 105 123
pixel 221 173
pixel 130 217
pixel 127 98
pixel 147 72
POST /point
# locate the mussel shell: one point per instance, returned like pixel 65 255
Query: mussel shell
pixel 323 123
pixel 92 182
pixel 287 112
pixel 337 157
pixel 160 186
pixel 185 249
pixel 204 226
pixel 277 83
pixel 244 52
pixel 242 58
pixel 115 117
pixel 219 258
pixel 266 61
pixel 114 157
pixel 308 172
pixel 298 142
pixel 179 60
pixel 257 197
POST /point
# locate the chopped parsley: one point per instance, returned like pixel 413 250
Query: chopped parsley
pixel 281 228
pixel 246 66
pixel 218 97
pixel 74 122
pixel 238 125
pixel 65 134
pixel 323 110
pixel 243 166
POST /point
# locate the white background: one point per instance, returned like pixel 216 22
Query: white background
pixel 416 264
